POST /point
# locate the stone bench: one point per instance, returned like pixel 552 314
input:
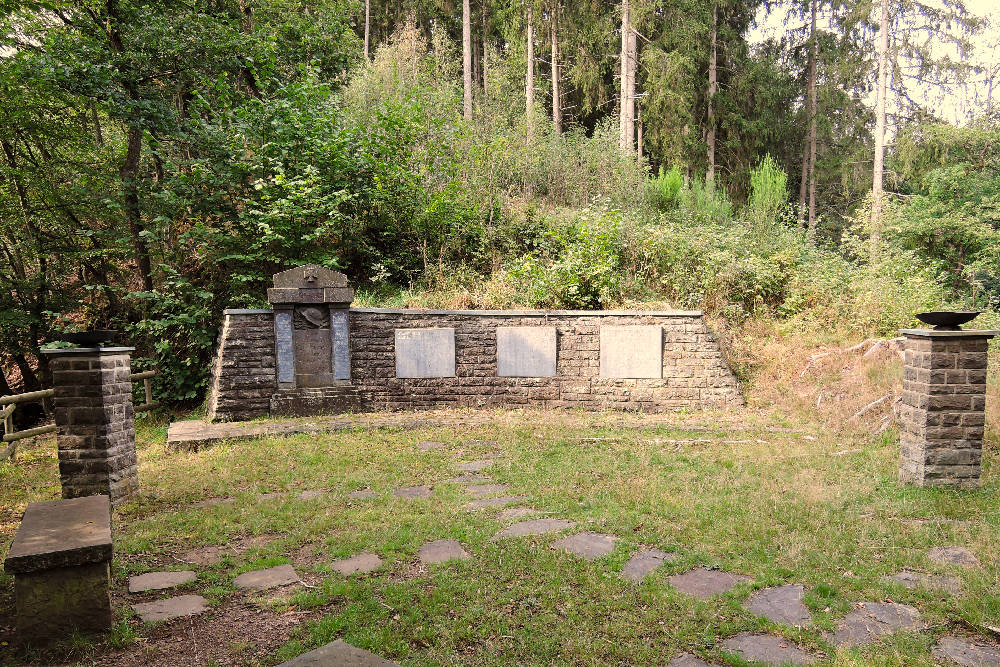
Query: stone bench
pixel 61 562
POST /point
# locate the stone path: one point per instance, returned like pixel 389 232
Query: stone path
pixel 272 577
pixel 338 653
pixel 494 502
pixel 468 479
pixel 157 581
pixel 440 551
pixel 362 494
pixel 643 562
pixel 588 546
pixel 513 513
pixel 939 582
pixel 872 620
pixel 953 556
pixel 535 527
pixel 480 490
pixel 967 653
pixel 311 495
pixel 704 584
pixel 781 604
pixel 475 466
pixel 767 649
pixel 170 608
pixel 411 492
pixel 428 445
pixel 688 660
pixel 363 563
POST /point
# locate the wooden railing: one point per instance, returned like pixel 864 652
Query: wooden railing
pixel 10 403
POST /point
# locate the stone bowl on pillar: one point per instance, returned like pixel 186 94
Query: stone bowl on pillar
pixel 90 338
pixel 948 320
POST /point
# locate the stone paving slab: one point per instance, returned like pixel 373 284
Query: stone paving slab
pixel 169 608
pixel 157 581
pixel 440 551
pixel 939 582
pixel 872 620
pixel 475 466
pixel 704 584
pixel 338 654
pixel 213 502
pixel 482 443
pixel 272 577
pixel 499 501
pixel 362 494
pixel 480 490
pixel 514 513
pixel 428 445
pixel 469 479
pixel 781 604
pixel 587 545
pixel 953 556
pixel 535 527
pixel 274 495
pixel 767 649
pixel 411 492
pixel 643 562
pixel 966 652
pixel 363 563
pixel 312 494
pixel 688 660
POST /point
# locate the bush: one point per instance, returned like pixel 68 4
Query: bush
pixel 664 190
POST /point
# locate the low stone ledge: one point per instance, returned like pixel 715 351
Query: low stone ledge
pixel 61 533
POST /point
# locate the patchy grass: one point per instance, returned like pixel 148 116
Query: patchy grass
pixel 780 499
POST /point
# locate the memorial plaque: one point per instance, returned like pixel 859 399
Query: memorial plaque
pixel 341 350
pixel 526 351
pixel 283 345
pixel 632 352
pixel 425 353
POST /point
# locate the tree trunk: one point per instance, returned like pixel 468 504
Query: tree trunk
pixel 98 135
pixel 804 181
pixel 713 61
pixel 880 109
pixel 368 20
pixel 813 57
pixel 467 58
pixel 638 144
pixel 626 119
pixel 485 51
pixel 129 173
pixel 529 77
pixel 556 103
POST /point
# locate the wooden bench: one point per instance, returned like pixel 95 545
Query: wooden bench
pixel 61 562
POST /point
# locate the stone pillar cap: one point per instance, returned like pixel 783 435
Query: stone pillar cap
pixel 61 533
pixel 87 350
pixel 960 333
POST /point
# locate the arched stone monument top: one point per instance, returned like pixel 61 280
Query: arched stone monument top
pixel 309 276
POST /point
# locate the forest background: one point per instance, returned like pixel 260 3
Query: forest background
pixel 162 159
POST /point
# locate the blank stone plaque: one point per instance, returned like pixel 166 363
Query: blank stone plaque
pixel 526 352
pixel 425 353
pixel 632 352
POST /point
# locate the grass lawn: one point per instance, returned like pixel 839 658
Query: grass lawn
pixel 740 492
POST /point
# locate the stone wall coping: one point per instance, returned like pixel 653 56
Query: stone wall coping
pixel 497 313
pixel 87 350
pixel 962 333
pixel 61 533
pixel 535 313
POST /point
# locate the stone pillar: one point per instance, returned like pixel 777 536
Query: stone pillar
pixel 93 410
pixel 943 407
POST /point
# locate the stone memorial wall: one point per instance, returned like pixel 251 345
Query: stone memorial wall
pixel 313 354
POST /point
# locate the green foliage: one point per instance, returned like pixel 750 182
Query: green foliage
pixel 664 190
pixel 768 192
pixel 177 331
